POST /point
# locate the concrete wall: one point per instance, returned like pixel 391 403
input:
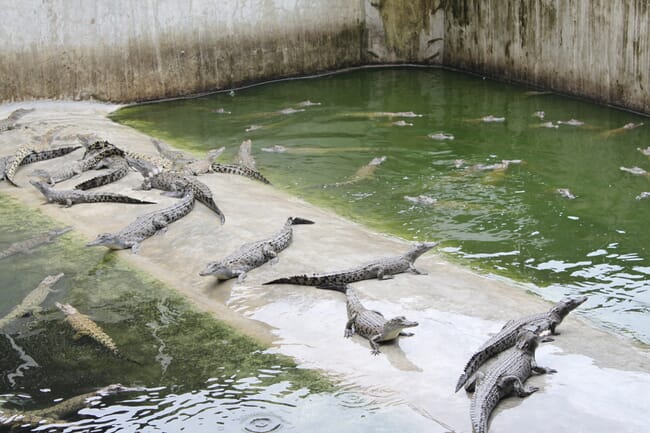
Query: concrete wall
pixel 126 50
pixel 594 48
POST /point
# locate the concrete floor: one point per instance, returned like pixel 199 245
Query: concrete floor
pixel 602 379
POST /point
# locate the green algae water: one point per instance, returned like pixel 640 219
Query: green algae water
pixel 477 164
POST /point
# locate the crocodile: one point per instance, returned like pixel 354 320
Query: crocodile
pixel 239 170
pixel 10 122
pixel 245 156
pixel 506 378
pixel 507 336
pixel 32 302
pixel 146 225
pixel 75 196
pixel 21 153
pixel 119 168
pixel 75 168
pixel 100 145
pixel 28 245
pixel 35 156
pixel 381 269
pixel 362 173
pixel 86 327
pixel 175 156
pixel 372 325
pixel 254 254
pixel 176 183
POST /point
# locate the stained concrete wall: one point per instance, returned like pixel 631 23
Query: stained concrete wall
pixel 594 48
pixel 126 50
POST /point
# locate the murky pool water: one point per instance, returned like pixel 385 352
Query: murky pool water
pixel 444 176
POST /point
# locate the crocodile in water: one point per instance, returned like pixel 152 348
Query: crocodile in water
pixel 381 269
pixel 27 246
pixel 255 254
pixel 74 196
pixel 507 336
pixel 504 379
pixel 32 302
pixel 371 324
pixel 146 225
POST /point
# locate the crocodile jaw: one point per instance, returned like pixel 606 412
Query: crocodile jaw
pixel 218 270
pixel 109 240
pixel 394 326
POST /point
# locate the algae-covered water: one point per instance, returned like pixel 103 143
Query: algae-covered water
pixel 189 372
pixel 510 221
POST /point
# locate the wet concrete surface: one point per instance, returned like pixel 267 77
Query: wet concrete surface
pixel 602 379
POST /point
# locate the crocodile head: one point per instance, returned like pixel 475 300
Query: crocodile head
pixel 394 326
pixel 111 241
pixel 66 308
pixel 527 340
pixel 566 305
pixel 219 270
pixel 420 248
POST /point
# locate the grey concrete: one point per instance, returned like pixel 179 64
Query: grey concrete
pixel 602 379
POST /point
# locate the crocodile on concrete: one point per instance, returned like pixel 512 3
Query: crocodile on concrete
pixel 70 197
pixel 507 336
pixel 245 155
pixel 118 169
pixel 32 302
pixel 146 225
pixel 254 254
pixel 75 168
pixel 100 145
pixel 202 166
pixel 506 378
pixel 372 325
pixel 29 245
pixel 239 170
pixel 381 269
pixel 9 123
pixel 35 156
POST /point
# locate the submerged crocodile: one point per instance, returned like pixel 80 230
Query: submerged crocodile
pixel 35 156
pixel 381 269
pixel 118 169
pixel 32 302
pixel 146 225
pixel 507 336
pixel 362 173
pixel 75 168
pixel 74 196
pixel 504 379
pixel 372 325
pixel 239 170
pixel 255 254
pixel 28 245
pixel 10 122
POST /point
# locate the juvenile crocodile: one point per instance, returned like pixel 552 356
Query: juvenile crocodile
pixel 119 168
pixel 507 336
pixel 239 170
pixel 32 302
pixel 146 225
pixel 74 196
pixel 255 254
pixel 75 168
pixel 35 156
pixel 28 245
pixel 10 122
pixel 381 269
pixel 506 378
pixel 176 183
pixel 372 325
pixel 86 327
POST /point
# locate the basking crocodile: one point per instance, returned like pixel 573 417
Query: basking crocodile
pixel 372 325
pixel 75 168
pixel 35 156
pixel 119 168
pixel 146 225
pixel 28 245
pixel 175 156
pixel 255 254
pixel 101 145
pixel 506 378
pixel 202 166
pixel 381 269
pixel 32 302
pixel 86 327
pixel 74 196
pixel 10 122
pixel 239 170
pixel 507 336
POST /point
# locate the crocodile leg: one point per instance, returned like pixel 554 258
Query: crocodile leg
pixel 381 275
pixel 241 275
pixel 413 270
pixel 135 248
pixel 470 386
pixel 518 387
pixel 406 334
pixel 541 370
pixel 349 327
pixel 373 344
pixel 270 254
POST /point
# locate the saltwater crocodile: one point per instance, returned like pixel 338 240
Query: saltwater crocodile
pixel 507 336
pixel 75 168
pixel 84 326
pixel 28 245
pixel 240 170
pixel 506 378
pixel 10 122
pixel 118 169
pixel 254 254
pixel 35 156
pixel 32 302
pixel 146 225
pixel 75 196
pixel 381 269
pixel 372 325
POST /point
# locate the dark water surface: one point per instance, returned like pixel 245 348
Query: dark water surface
pixel 509 221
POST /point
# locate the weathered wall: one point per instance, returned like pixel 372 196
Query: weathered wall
pixel 125 50
pixel 594 48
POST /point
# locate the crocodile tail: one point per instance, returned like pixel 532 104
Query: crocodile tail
pixel 209 202
pixel 240 170
pixel 104 179
pixel 471 367
pixel 298 220
pixel 461 381
pixel 302 280
pixel 118 198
